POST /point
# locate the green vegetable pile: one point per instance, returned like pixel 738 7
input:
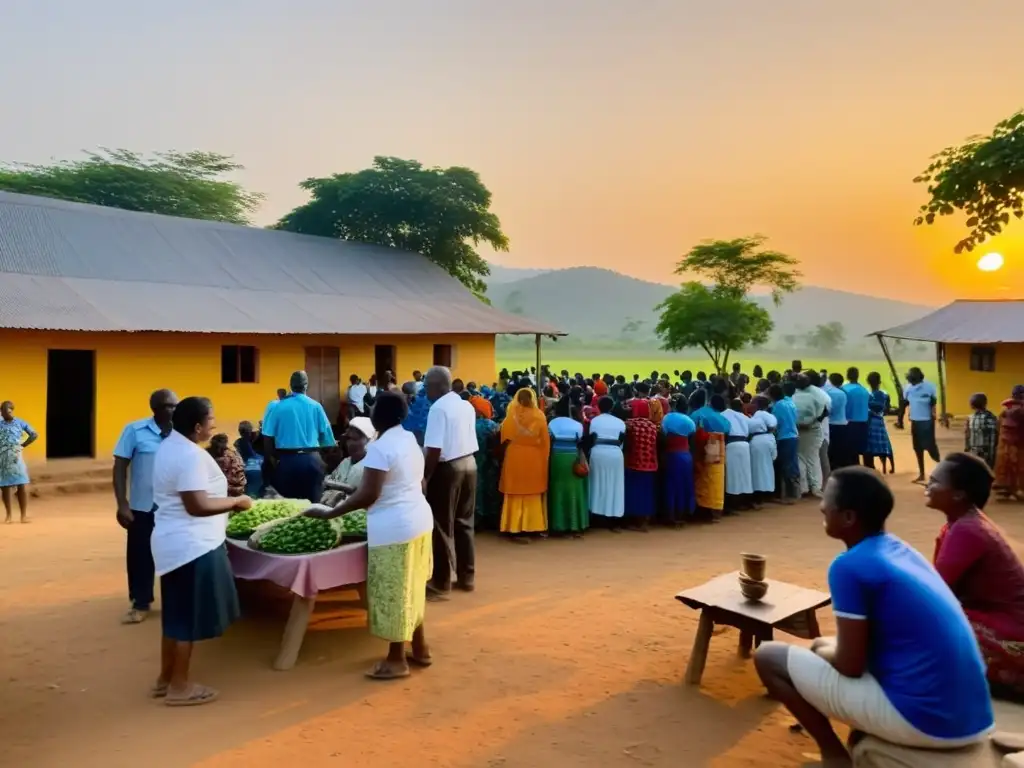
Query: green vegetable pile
pixel 298 536
pixel 241 525
pixel 354 523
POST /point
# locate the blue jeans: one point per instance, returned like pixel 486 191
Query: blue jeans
pixel 139 561
pixel 787 469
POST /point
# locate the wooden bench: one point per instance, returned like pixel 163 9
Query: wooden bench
pixel 786 607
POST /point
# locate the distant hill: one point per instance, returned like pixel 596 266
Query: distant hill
pixel 500 274
pixel 593 303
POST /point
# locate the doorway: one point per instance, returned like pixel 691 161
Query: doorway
pixel 323 366
pixel 383 361
pixel 70 403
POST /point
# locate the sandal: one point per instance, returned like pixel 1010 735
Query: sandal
pixel 196 695
pixel 159 690
pixel 383 670
pixel 134 616
pixel 419 661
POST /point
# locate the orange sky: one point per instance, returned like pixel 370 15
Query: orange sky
pixel 612 133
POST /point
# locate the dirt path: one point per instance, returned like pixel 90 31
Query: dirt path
pixel 570 653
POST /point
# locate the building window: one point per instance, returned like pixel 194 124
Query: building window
pixel 983 359
pixel 443 355
pixel 238 365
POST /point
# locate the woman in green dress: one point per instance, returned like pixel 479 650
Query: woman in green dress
pixel 488 498
pixel 567 492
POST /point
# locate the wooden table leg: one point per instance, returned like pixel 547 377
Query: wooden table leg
pixel 746 644
pixel 699 654
pixel 811 617
pixel 294 632
pixel 361 589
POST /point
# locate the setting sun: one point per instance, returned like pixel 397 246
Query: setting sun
pixel 990 262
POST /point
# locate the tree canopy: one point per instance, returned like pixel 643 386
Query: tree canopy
pixel 442 213
pixel 827 337
pixel 983 177
pixel 714 320
pixel 736 266
pixel 189 184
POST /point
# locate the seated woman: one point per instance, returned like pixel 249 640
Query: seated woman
pixel 905 667
pixel 345 478
pixel 981 568
pixel 230 464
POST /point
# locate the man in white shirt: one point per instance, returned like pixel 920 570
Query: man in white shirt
pixel 811 410
pixel 450 481
pixel 357 392
pixel 817 387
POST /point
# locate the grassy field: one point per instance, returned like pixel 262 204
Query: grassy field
pixel 643 366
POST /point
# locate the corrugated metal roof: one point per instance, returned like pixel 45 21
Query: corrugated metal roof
pixel 967 322
pixel 68 266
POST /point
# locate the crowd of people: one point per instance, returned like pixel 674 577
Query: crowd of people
pixel 434 459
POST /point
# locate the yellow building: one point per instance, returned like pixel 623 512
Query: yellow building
pixel 99 307
pixel 979 348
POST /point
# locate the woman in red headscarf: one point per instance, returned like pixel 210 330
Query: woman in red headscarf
pixel 641 455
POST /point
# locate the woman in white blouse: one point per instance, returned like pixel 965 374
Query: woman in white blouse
pixel 196 585
pixel 399 528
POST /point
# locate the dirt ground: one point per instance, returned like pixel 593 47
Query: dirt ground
pixel 570 653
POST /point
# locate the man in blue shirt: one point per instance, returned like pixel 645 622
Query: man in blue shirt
pixel 920 396
pixel 857 397
pixel 838 424
pixel 136 450
pixel 293 434
pixel 905 666
pixel 787 465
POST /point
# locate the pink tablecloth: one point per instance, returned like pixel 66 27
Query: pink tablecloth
pixel 305 575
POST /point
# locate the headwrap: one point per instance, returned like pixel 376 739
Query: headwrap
pixel 1018 392
pixel 364 425
pixel 482 407
pixel 600 388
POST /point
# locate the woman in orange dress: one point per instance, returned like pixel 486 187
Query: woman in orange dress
pixel 524 472
pixel 1010 451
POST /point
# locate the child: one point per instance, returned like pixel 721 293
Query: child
pixel 981 433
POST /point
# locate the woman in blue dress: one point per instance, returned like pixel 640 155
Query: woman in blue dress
pixel 879 444
pixel 13 473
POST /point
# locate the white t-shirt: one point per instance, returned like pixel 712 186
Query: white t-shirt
pixel 739 423
pixel 564 428
pixel 401 512
pixel 607 427
pixel 178 537
pixel 451 426
pixel 356 396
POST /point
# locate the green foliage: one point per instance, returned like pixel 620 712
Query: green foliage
pixel 442 213
pixel 187 184
pixel 827 337
pixel 736 266
pixel 714 320
pixel 984 178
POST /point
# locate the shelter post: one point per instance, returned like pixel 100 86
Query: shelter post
pixel 540 373
pixel 892 369
pixel 940 357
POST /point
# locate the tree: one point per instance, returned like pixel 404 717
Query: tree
pixel 736 266
pixel 827 337
pixel 188 184
pixel 442 213
pixel 514 303
pixel 631 328
pixel 790 340
pixel 984 178
pixel 716 321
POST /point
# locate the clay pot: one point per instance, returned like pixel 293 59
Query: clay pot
pixel 754 566
pixel 753 590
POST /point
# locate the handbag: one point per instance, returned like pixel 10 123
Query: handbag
pixel 581 467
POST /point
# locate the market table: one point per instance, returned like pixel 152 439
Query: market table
pixel 305 576
pixel 785 607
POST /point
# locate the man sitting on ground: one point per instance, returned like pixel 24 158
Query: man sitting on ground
pixel 905 667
